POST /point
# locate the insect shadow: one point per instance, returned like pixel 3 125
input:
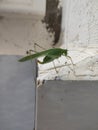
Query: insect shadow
pixel 49 55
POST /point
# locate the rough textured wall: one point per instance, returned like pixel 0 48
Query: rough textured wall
pixel 81 36
pixel 81 22
pixel 80 25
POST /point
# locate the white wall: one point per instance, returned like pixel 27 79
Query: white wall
pixel 80 27
pixel 81 22
pixel 35 7
pixel 21 26
pixel 17 35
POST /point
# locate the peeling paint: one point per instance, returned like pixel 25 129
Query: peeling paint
pixel 53 19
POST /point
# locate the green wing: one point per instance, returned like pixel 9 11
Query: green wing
pixel 33 56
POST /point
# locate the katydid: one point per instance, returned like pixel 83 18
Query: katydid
pixel 49 55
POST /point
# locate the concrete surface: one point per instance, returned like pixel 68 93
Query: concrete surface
pixel 80 27
pixel 33 7
pixel 68 105
pixel 17 93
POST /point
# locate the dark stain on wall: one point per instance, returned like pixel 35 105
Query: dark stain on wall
pixel 53 18
pixel 1 17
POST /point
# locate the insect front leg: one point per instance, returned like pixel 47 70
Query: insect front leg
pixel 29 52
pixel 37 45
pixel 35 49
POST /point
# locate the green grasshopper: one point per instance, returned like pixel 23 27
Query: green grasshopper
pixel 49 55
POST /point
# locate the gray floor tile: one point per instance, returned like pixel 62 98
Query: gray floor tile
pixel 17 93
pixel 68 105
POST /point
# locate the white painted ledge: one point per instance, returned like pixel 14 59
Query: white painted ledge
pixel 85 66
pixel 34 7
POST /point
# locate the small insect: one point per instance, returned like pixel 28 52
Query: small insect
pixel 49 55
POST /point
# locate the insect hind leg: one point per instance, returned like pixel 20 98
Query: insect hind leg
pixel 35 48
pixel 55 67
pixel 73 69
